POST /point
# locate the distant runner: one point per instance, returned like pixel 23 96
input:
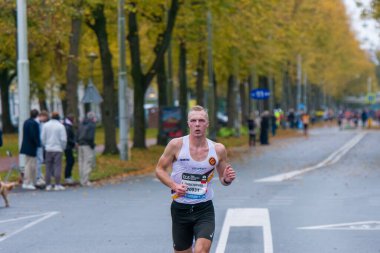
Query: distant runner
pixel 305 121
pixel 193 159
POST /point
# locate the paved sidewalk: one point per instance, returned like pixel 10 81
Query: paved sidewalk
pixel 7 162
pixel 149 142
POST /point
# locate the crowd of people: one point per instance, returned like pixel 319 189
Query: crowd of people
pixel 350 118
pixel 46 139
pixel 263 124
pixel 267 123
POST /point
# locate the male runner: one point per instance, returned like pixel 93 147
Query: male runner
pixel 193 159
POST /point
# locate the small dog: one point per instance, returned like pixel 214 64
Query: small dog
pixel 4 189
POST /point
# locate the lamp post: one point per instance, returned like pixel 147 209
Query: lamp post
pixel 91 95
pixel 91 57
pixel 123 84
pixel 23 71
pixel 211 95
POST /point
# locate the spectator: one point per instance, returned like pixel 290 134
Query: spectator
pixel 364 117
pixel 264 128
pixel 30 143
pixel 273 123
pixel 291 118
pixel 43 117
pixel 54 140
pixel 1 137
pixel 86 150
pixel 340 119
pixel 252 130
pixel 69 154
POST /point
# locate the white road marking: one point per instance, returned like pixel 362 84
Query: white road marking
pixel 333 158
pixel 246 217
pixel 43 216
pixel 363 225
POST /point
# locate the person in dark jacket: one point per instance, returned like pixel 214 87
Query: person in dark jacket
pixel 252 130
pixel 264 128
pixel 291 119
pixel 30 142
pixel 86 150
pixel 1 138
pixel 69 154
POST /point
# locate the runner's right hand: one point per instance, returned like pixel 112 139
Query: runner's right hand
pixel 180 189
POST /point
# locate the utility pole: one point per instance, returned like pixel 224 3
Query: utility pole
pixel 22 72
pixel 211 95
pixel 305 91
pixel 271 97
pixel 170 84
pixel 237 120
pixel 299 80
pixel 369 81
pixel 123 83
pixel 250 87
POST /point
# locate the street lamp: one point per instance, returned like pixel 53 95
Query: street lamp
pixel 123 84
pixel 22 71
pixel 92 57
pixel 91 95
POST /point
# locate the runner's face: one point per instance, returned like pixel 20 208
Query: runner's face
pixel 198 123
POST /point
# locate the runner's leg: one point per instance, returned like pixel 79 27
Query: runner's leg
pixel 202 245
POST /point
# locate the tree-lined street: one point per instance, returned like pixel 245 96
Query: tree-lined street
pixel 333 208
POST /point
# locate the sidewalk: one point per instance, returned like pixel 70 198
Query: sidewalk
pixel 7 162
pixel 149 142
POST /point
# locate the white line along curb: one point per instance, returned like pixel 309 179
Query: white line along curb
pixel 333 158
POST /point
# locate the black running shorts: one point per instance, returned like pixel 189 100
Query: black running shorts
pixel 191 221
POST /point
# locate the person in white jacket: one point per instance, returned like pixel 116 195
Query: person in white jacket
pixel 54 140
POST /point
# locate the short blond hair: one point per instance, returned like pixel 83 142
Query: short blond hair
pixel 197 108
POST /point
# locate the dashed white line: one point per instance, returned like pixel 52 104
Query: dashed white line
pixel 246 217
pixel 43 216
pixel 333 158
pixel 362 225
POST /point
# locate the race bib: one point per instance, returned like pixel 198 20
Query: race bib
pixel 196 185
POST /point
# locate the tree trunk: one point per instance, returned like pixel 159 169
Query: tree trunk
pixel 243 103
pixel 263 82
pixel 250 100
pixel 5 82
pixel 216 105
pixel 231 102
pixel 162 99
pixel 183 85
pixel 141 81
pixel 285 84
pixel 138 81
pixel 72 67
pixel 200 77
pixel 170 77
pixel 109 103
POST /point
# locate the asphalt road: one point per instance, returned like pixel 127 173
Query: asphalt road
pixel 314 195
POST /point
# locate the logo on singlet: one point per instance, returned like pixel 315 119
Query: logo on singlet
pixel 184 159
pixel 212 161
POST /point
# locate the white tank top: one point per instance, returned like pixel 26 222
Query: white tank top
pixel 196 175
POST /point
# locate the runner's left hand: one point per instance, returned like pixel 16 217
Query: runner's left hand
pixel 229 174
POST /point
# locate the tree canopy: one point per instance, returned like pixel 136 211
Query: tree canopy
pixel 265 35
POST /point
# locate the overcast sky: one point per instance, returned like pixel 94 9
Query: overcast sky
pixel 368 31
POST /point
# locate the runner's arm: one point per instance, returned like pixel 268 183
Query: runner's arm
pixel 226 172
pixel 166 161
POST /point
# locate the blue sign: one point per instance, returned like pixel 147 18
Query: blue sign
pixel 260 94
pixel 301 106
